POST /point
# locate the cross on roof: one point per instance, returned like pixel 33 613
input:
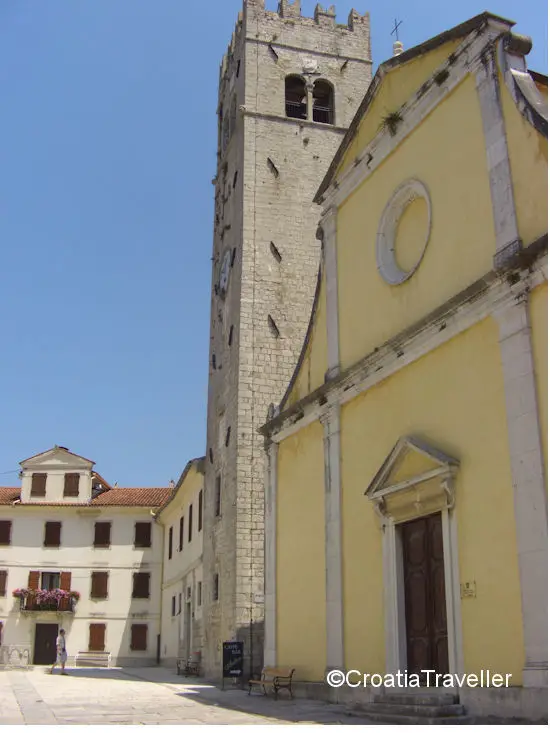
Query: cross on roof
pixel 396 29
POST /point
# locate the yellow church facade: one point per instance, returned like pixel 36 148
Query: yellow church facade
pixel 406 504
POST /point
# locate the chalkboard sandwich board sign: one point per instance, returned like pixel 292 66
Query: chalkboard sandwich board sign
pixel 233 657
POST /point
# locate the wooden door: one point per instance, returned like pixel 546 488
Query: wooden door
pixel 425 609
pixel 45 651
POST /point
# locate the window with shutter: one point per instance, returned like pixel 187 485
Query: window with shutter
pixel 50 581
pixel 34 579
pixel 173 605
pixel 170 540
pixel 138 641
pixel 102 534
pixel 142 534
pixel 100 581
pixel 216 588
pixel 200 510
pixel 181 535
pixel 141 585
pixel 38 484
pixel 190 524
pixel 65 581
pixel 199 593
pixel 52 534
pixel 72 481
pixel 5 532
pixel 3 582
pixel 96 641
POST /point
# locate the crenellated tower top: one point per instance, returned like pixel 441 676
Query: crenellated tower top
pixel 272 26
pixel 292 10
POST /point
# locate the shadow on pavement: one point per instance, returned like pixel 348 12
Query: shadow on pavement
pixel 202 692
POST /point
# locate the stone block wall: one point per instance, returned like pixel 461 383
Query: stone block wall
pixel 269 168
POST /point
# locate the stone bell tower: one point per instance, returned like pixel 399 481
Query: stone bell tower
pixel 288 89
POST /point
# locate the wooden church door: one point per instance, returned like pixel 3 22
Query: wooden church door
pixel 425 609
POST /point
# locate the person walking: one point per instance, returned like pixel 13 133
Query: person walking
pixel 61 652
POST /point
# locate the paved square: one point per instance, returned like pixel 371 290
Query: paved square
pixel 145 696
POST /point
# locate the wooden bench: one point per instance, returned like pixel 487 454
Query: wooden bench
pixel 93 659
pixel 278 678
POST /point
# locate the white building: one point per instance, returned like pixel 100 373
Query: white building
pixel 84 556
pixel 182 596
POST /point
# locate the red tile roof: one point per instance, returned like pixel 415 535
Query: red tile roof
pixel 8 494
pixel 150 497
pixel 133 497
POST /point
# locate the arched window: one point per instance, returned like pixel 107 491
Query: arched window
pixel 323 102
pixel 296 97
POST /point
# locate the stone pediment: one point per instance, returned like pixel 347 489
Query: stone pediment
pixel 58 458
pixel 415 479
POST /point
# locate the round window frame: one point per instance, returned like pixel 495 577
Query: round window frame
pixel 401 198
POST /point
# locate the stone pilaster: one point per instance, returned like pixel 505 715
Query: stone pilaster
pixel 270 600
pixel 530 503
pixel 333 541
pixel 330 258
pixel 498 163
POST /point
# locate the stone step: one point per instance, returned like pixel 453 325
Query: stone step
pixel 416 719
pixel 420 698
pixel 422 711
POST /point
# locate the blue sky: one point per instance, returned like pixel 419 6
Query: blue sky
pixel 108 131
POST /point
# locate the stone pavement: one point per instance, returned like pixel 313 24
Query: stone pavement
pixel 152 695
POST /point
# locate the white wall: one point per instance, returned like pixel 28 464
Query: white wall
pixel 56 463
pixel 182 572
pixel 78 556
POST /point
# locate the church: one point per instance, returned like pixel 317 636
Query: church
pixel 406 505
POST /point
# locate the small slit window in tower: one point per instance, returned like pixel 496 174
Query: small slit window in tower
pixel 211 455
pixel 218 497
pixel 323 102
pixel 213 361
pixel 275 252
pixel 295 97
pixel 238 68
pixel 233 253
pixel 230 339
pixel 227 436
pixel 235 178
pixel 273 326
pixel 273 168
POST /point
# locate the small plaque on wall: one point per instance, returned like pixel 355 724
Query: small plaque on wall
pixel 468 589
